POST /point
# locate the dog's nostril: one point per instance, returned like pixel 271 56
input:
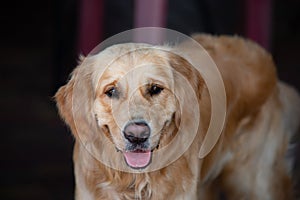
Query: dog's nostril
pixel 137 132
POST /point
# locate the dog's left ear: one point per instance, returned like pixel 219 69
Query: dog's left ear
pixel 188 85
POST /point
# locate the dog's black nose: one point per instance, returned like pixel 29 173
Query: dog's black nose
pixel 137 132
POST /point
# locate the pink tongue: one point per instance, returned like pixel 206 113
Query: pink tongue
pixel 138 159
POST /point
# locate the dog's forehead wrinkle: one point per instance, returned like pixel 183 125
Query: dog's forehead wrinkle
pixel 139 68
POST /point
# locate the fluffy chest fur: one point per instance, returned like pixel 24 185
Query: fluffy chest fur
pixel 100 182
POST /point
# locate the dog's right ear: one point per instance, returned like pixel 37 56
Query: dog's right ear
pixel 75 101
pixel 63 98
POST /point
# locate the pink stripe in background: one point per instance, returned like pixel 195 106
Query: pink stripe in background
pixel 150 13
pixel 90 25
pixel 258 21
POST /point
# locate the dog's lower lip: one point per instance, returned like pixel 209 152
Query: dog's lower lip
pixel 138 151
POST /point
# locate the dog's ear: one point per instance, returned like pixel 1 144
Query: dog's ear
pixel 75 102
pixel 188 84
pixel 63 98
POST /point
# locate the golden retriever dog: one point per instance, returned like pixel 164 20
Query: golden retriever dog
pixel 140 115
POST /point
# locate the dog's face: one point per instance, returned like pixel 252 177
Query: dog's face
pixel 135 103
pixel 132 95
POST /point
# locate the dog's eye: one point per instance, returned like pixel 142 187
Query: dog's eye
pixel 155 90
pixel 112 92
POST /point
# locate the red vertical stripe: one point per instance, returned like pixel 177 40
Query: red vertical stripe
pixel 150 13
pixel 90 24
pixel 258 21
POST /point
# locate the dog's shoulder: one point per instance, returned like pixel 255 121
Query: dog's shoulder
pixel 248 71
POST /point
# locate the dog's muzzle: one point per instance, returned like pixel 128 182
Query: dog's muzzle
pixel 137 153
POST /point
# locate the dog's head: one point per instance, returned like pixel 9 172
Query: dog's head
pixel 131 94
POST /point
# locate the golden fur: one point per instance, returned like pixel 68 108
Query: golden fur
pixel 248 160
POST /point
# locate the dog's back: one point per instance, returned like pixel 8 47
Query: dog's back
pixel 263 115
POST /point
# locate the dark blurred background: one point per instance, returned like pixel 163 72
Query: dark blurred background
pixel 40 44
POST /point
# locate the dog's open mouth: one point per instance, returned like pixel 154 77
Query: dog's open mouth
pixel 138 159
